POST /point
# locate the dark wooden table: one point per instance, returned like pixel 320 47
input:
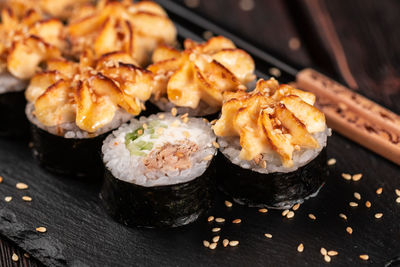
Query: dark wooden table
pixel 358 43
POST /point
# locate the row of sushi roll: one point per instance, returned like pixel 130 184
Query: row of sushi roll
pixel 91 67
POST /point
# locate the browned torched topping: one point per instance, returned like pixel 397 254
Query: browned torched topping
pixel 202 72
pixel 272 117
pixel 89 92
pixel 171 156
pixel 27 39
pixel 135 28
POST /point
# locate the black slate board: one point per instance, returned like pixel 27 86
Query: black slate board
pixel 80 233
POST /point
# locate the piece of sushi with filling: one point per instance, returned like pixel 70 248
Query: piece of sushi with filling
pixel 27 40
pixel 274 139
pixel 194 80
pixel 158 171
pixel 71 107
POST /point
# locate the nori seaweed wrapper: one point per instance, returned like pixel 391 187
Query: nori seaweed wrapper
pixel 13 122
pixel 158 206
pixel 273 190
pixel 80 157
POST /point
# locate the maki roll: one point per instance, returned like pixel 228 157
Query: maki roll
pixel 158 171
pixel 193 80
pixel 26 41
pixel 71 106
pixel 274 141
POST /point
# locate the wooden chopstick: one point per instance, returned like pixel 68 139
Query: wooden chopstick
pixel 353 115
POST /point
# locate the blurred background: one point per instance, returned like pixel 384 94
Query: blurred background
pixel 356 42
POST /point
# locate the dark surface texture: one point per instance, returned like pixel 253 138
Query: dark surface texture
pixel 276 190
pixel 13 123
pixel 80 233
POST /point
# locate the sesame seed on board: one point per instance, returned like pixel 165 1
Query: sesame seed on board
pixel 378 215
pixel 379 191
pixel 357 195
pixel 368 204
pixel 349 230
pixel 323 251
pixel 353 204
pixel 300 248
pixel 343 216
pixel 14 257
pixel 206 243
pixel 268 235
pixel 216 229
pixel 364 257
pixel 331 161
pixel 233 243
pixel 296 206
pixel 41 229
pixel 21 186
pixel 236 221
pixel 1 179
pixel 333 253
pixel 8 199
pixel 215 239
pixel 263 210
pixel 225 243
pixel 357 177
pixel 219 220
pixel 312 216
pixel 213 245
pixel 27 198
pixel 228 203
pixel 211 218
pixel 346 176
pixel 285 212
pixel 290 214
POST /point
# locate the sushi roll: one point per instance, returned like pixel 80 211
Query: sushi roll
pixel 193 80
pixel 158 171
pixel 135 28
pixel 71 107
pixel 26 41
pixel 274 141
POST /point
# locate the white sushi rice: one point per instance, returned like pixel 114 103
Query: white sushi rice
pixel 131 168
pixel 230 147
pixel 10 83
pixel 71 130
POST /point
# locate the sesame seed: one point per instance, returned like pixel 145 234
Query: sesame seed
pixel 140 132
pixel 161 116
pixel 14 257
pixel 290 214
pixel 174 111
pixel 206 243
pixel 368 204
pixel 396 190
pixel 220 220
pixel 215 144
pixel 185 115
pixel 267 235
pixel 263 210
pixel 26 255
pixel 285 212
pixel 41 229
pixel 333 253
pixel 312 216
pixel 212 246
pixel 144 126
pixel 236 221
pixel 379 191
pixel 7 199
pixel 353 204
pixel 275 72
pixel 357 195
pixel 343 216
pixel 327 258
pixel 27 198
pixel 225 243
pixel 364 257
pixel 210 219
pixel 263 164
pixel 205 120
pixel 213 122
pixel 228 203
pixel 357 177
pixel 378 215
pixel 398 200
pixel 346 176
pixel 207 158
pixel 296 206
pixel 349 230
pixel 1 179
pixel 233 243
pixel 216 229
pixel 215 239
pixel 331 161
pixel 185 120
pixel 323 251
pixel 21 186
pixel 300 248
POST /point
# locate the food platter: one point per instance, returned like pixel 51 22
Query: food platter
pixel 79 232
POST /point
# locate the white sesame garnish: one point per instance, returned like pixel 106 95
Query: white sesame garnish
pixel 332 253
pixel 263 164
pixel 349 230
pixel 296 206
pixel 357 195
pixel 27 198
pixel 215 239
pixel 215 144
pixel 207 158
pixel 263 210
pixel 212 246
pixel 186 134
pixel 300 248
pixel 7 199
pixel 220 220
pixel 225 242
pixel 268 235
pixel 346 176
pixel 398 200
pixel 144 126
pixel 161 116
pixel 378 215
pixel 210 219
pixel 41 229
pixel 379 191
pixel 185 120
pixel 327 258
pixel 290 214
pixel 364 257
pixel 357 177
pixel 233 243
pixel 285 212
pixel 216 229
pixel 353 204
pixel 368 204
pixel 21 186
pixel 312 216
pixel 323 251
pixel 228 203
pixel 331 161
pixel 236 221
pixel 174 111
pixel 206 243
